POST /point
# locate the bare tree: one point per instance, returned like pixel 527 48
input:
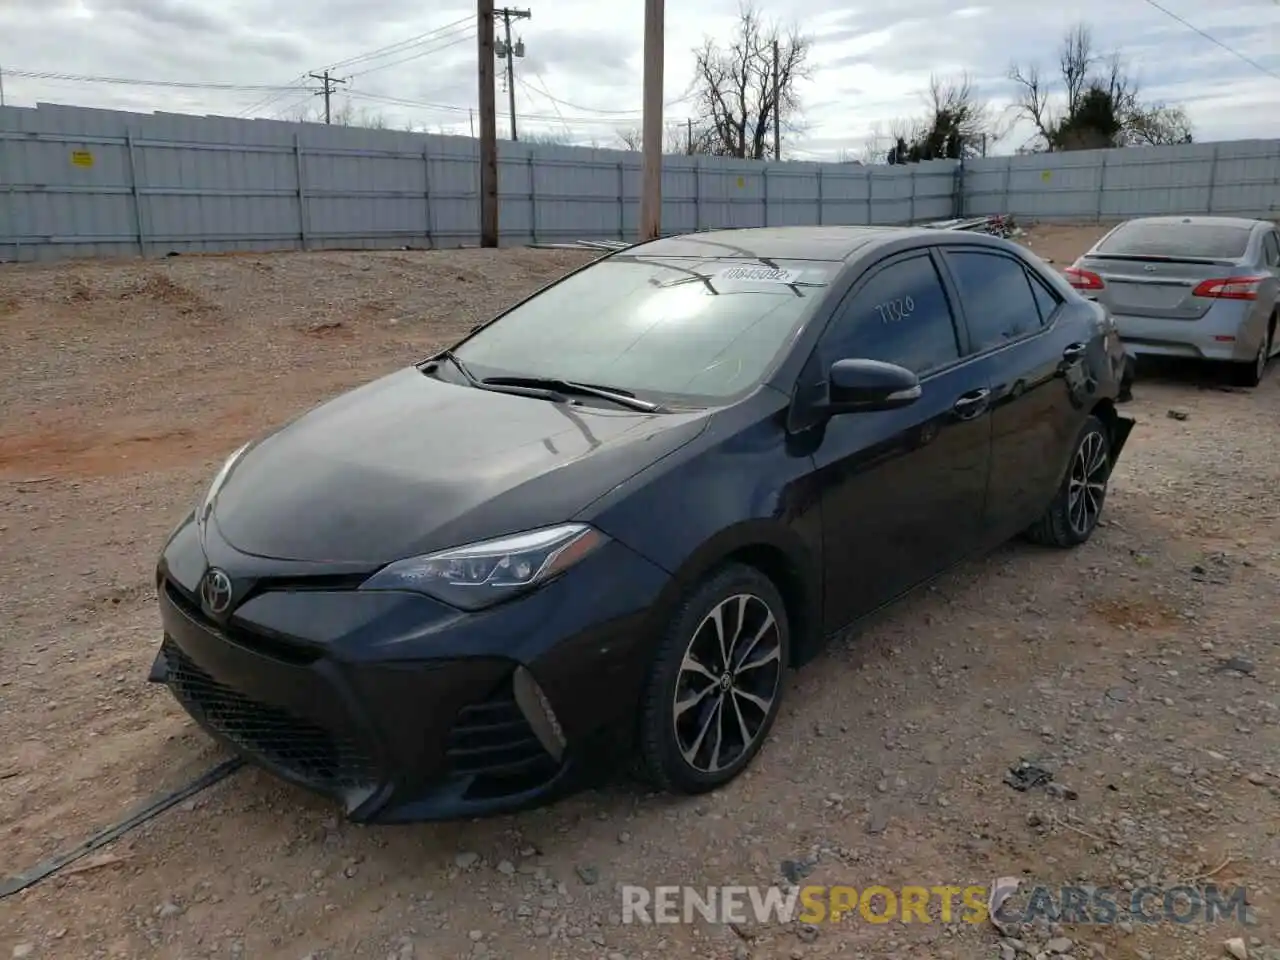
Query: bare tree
pixel 956 123
pixel 345 113
pixel 1160 124
pixel 1099 105
pixel 549 138
pixel 687 137
pixel 875 146
pixel 734 85
pixel 632 139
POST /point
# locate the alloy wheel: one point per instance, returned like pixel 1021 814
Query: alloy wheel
pixel 727 684
pixel 1087 483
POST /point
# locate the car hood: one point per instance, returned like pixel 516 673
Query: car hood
pixel 409 464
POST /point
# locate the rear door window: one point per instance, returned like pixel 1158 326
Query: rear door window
pixel 1197 240
pixel 995 291
pixel 900 315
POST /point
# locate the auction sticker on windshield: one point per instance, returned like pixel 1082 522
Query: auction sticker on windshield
pixel 760 274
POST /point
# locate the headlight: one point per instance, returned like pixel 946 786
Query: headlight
pixel 218 480
pixel 481 574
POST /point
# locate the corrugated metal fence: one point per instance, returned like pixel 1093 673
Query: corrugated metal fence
pixel 1239 178
pixel 79 182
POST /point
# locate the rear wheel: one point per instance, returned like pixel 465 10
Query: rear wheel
pixel 1073 514
pixel 716 682
pixel 1250 374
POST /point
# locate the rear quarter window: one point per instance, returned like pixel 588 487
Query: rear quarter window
pixel 1047 299
pixel 1201 240
pixel 1271 247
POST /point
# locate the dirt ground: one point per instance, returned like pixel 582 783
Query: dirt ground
pixel 1141 670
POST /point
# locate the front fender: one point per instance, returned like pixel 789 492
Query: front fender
pixel 738 491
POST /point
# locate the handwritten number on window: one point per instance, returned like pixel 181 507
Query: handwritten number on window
pixel 896 310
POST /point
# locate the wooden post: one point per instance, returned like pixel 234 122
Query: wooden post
pixel 651 180
pixel 488 127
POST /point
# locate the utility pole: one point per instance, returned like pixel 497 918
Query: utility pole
pixel 651 177
pixel 488 128
pixel 328 90
pixel 507 50
pixel 1 86
pixel 777 108
pixel 688 136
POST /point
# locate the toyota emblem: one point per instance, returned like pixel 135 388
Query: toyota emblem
pixel 216 591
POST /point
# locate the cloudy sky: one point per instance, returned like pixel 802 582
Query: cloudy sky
pixel 412 63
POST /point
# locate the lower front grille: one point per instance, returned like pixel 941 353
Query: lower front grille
pixel 493 741
pixel 311 753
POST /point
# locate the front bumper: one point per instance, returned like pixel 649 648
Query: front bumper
pixel 402 709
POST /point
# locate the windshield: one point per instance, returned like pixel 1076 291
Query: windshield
pixel 681 329
pixel 1199 240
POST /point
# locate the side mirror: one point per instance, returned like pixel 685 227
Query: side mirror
pixel 866 385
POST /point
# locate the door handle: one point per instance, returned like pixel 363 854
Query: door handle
pixel 1074 352
pixel 971 404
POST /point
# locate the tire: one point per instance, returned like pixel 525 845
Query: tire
pixel 1070 521
pixel 1128 375
pixel 1249 374
pixel 672 756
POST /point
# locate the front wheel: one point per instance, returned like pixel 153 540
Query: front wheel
pixel 716 682
pixel 1073 514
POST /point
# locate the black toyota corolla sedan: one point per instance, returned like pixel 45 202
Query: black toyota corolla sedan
pixel 605 523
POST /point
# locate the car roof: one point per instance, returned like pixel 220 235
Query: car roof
pixel 1247 223
pixel 798 243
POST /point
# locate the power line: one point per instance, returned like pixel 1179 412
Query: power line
pixel 554 105
pixel 398 47
pixel 297 83
pixel 453 108
pixel 435 34
pixel 295 107
pixel 1214 40
pixel 632 113
pixel 467 34
pixel 207 84
pixel 401 45
pixel 133 82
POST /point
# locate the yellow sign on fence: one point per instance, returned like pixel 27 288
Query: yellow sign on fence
pixel 82 158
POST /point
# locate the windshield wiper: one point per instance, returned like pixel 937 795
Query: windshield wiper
pixel 521 389
pixel 453 358
pixel 623 398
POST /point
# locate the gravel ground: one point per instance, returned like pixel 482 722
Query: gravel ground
pixel 1140 669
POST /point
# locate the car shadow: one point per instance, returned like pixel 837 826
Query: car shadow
pixel 1184 372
